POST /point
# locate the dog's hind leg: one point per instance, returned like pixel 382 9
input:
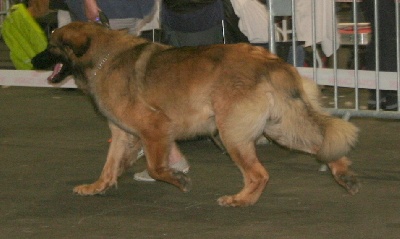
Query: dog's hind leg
pixel 344 176
pixel 239 128
pixel 254 174
pixel 157 149
pixel 327 137
pixel 155 133
pixel 121 154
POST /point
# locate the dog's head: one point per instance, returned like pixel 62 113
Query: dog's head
pixel 68 47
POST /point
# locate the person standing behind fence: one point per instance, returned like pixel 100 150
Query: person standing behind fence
pixel 254 21
pixel 387 48
pixel 192 22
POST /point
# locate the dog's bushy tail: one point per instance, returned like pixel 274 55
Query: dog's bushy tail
pixel 339 136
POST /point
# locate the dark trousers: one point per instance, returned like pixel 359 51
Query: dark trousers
pixel 210 36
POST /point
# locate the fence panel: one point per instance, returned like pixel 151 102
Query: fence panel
pixel 343 27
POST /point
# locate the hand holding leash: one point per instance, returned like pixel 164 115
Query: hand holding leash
pixel 94 13
pixel 92 10
pixel 103 19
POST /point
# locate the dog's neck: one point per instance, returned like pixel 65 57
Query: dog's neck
pixel 101 64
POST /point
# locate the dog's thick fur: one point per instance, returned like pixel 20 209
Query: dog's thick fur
pixel 153 94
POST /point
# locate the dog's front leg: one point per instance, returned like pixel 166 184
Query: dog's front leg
pixel 121 154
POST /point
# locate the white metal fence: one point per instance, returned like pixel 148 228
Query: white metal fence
pixel 363 85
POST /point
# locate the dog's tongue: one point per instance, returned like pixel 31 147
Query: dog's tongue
pixel 56 71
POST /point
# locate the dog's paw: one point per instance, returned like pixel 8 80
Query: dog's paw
pixel 184 182
pixel 88 189
pixel 233 201
pixel 349 181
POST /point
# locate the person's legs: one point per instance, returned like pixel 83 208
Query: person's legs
pixel 300 56
pixel 388 100
pixel 210 36
pixel 391 103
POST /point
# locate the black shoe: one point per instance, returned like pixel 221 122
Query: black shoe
pixel 391 103
pixel 388 103
pixel 372 103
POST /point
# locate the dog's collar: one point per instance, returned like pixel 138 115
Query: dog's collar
pixel 101 64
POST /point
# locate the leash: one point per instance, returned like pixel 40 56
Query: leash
pixel 103 19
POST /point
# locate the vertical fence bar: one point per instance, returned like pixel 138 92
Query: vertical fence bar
pixel 223 32
pixel 335 66
pixel 377 55
pixel 272 44
pixel 398 51
pixel 294 36
pixel 314 39
pixel 356 60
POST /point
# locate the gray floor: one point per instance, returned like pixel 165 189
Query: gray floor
pixel 52 139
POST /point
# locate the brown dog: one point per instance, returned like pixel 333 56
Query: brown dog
pixel 153 94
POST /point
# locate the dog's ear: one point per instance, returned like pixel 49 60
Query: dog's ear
pixel 77 41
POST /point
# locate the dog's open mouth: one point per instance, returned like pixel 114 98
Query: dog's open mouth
pixel 47 60
pixel 58 74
